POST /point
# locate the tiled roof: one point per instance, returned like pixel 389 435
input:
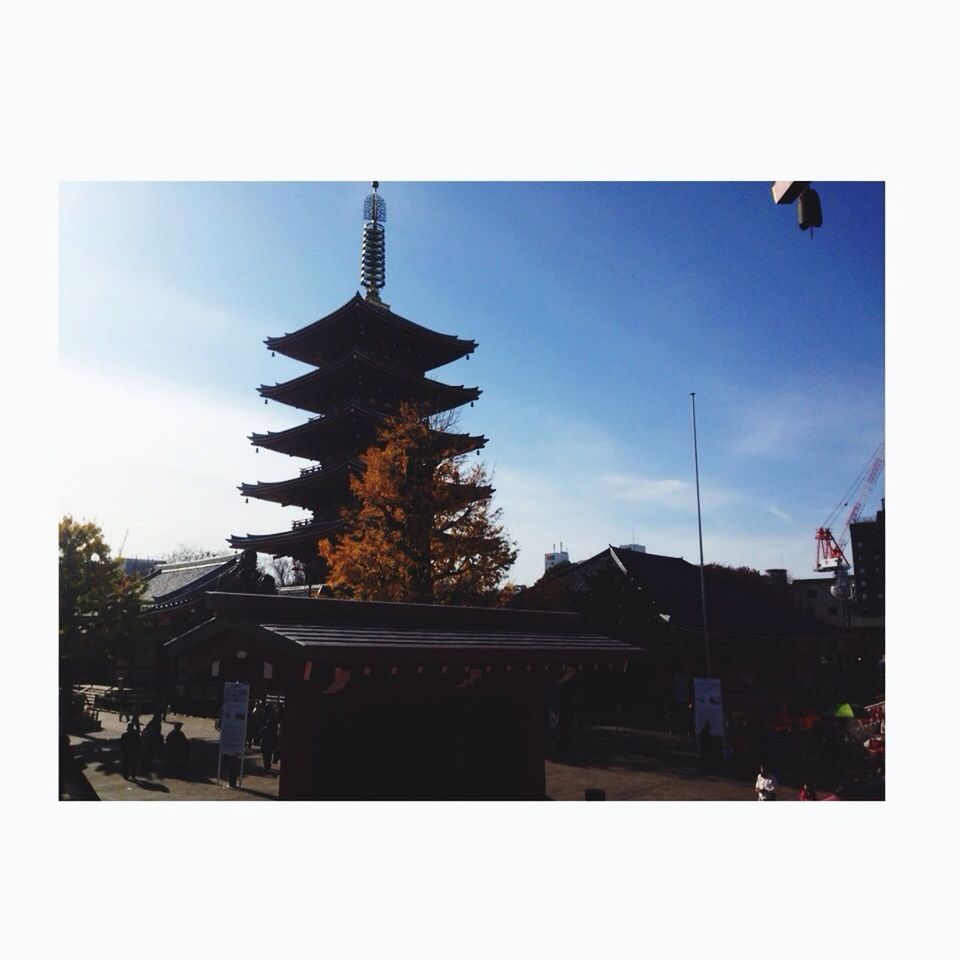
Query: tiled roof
pixel 340 630
pixel 175 582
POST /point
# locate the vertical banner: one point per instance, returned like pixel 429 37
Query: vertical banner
pixel 233 722
pixel 707 706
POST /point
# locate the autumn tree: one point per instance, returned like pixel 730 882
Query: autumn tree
pixel 99 603
pixel 423 528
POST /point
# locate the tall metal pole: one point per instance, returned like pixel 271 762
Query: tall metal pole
pixel 703 588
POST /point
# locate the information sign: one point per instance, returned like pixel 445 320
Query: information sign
pixel 707 706
pixel 233 719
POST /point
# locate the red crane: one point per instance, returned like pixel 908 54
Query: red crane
pixel 830 555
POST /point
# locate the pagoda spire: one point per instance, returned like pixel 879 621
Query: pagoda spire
pixel 373 249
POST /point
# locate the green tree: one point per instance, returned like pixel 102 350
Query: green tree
pixel 423 528
pixel 99 604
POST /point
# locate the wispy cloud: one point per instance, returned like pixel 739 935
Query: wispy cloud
pixel 670 493
pixel 795 422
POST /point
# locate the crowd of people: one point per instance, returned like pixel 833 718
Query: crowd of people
pixel 140 748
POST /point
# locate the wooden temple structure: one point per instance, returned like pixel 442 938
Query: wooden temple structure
pixel 399 701
pixel 367 361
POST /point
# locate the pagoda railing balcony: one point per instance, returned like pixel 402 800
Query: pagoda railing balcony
pixel 305 471
pixel 297 524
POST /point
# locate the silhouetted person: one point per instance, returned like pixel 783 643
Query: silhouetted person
pixel 129 751
pixel 705 745
pixel 152 738
pixel 178 751
pixel 257 719
pixel 269 738
pixel 807 793
pixel 233 769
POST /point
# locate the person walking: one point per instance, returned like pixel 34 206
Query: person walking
pixel 269 738
pixel 152 738
pixel 766 786
pixel 129 751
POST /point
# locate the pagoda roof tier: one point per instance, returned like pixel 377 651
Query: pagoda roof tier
pixel 316 487
pixel 365 379
pixel 353 425
pixel 301 539
pixel 380 331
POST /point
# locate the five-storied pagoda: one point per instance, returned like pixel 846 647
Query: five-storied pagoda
pixel 367 361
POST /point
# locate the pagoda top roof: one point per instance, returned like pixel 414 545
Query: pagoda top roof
pixel 309 343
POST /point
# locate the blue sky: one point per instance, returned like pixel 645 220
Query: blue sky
pixel 598 307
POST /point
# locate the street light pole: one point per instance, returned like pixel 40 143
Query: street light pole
pixel 703 590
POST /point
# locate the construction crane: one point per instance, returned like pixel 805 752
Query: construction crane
pixel 831 557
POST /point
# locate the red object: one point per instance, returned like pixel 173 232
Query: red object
pixel 830 553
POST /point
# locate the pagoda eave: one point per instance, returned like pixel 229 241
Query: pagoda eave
pixel 358 373
pixel 301 539
pixel 310 489
pixel 432 396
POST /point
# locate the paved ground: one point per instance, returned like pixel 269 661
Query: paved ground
pixel 627 764
pixel 644 765
pixel 100 752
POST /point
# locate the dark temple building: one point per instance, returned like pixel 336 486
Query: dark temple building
pixel 367 361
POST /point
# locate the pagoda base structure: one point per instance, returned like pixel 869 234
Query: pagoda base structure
pixel 400 701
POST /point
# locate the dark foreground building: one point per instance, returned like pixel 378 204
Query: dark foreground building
pixel 399 701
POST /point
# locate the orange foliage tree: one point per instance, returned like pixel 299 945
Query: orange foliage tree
pixel 422 528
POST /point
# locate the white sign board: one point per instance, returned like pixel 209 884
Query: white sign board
pixel 233 719
pixel 707 706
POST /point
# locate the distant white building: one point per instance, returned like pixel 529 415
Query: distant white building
pixel 555 558
pixel 635 547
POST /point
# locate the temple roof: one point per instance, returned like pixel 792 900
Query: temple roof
pixel 302 538
pixel 356 375
pixel 342 630
pixel 171 583
pixel 673 586
pixel 362 323
pixel 353 426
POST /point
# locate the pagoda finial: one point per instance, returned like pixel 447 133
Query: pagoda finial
pixel 373 249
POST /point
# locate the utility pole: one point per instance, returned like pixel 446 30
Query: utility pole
pixel 703 589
